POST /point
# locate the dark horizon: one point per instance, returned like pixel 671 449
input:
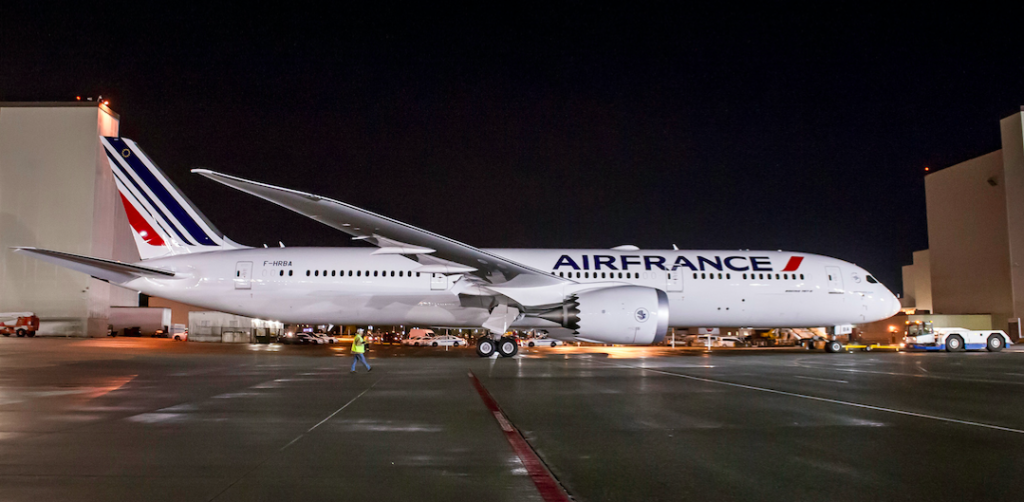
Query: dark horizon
pixel 569 126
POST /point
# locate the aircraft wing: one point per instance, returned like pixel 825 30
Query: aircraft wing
pixel 107 270
pixel 434 252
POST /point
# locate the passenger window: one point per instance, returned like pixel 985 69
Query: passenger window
pixel 620 275
pixel 375 273
pixel 761 276
pixel 282 273
pixel 604 275
pixel 744 276
pixel 417 274
pixel 695 275
pixel 719 275
pixel 392 273
pixel 776 276
pixel 289 273
pixel 801 277
pixel 727 276
pixel 561 274
pixel 333 273
pixel 316 273
pixel 400 272
pixel 702 276
pixel 359 273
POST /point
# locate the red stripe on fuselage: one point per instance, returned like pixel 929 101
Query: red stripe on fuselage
pixel 793 264
pixel 140 225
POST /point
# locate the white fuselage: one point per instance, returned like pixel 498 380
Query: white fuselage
pixel 354 286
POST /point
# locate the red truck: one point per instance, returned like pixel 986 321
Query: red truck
pixel 19 323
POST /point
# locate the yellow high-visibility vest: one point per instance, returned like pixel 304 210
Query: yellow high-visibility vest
pixel 358 347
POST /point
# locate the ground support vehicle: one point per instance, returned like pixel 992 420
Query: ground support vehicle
pixel 417 341
pixel 716 341
pixel 19 324
pixel 542 341
pixel 868 347
pixel 924 336
pixel 179 332
pixel 446 341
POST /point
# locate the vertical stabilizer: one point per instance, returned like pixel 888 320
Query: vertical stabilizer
pixel 164 222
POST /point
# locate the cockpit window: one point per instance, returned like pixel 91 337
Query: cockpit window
pixel 872 280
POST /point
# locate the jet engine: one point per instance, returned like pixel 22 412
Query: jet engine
pixel 619 315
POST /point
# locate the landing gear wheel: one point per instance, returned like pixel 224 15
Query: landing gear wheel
pixel 954 343
pixel 507 347
pixel 31 334
pixel 833 347
pixel 995 343
pixel 20 333
pixel 433 344
pixel 485 347
pixel 530 344
pixel 554 344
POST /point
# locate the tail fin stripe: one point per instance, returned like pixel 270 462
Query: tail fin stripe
pixel 140 224
pixel 161 193
pixel 190 209
pixel 115 162
pixel 129 197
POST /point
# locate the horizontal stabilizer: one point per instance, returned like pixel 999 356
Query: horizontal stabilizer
pixel 107 270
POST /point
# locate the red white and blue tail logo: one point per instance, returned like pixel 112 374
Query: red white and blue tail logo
pixel 163 220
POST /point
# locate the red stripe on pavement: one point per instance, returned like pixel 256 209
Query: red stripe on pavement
pixel 550 490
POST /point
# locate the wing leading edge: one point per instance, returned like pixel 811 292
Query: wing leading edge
pixel 434 252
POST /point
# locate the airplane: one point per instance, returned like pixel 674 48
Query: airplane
pixel 624 295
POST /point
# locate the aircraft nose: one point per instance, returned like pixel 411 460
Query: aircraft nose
pixel 894 304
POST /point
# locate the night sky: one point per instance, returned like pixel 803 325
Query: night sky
pixel 558 125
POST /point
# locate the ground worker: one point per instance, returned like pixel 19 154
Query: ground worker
pixel 359 352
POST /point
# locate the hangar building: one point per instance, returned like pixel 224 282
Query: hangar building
pixel 57 192
pixel 974 263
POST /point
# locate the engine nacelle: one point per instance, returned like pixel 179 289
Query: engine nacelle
pixel 628 315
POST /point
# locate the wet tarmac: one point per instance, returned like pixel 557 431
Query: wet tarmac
pixel 116 419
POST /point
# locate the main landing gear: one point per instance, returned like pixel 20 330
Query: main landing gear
pixel 506 346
